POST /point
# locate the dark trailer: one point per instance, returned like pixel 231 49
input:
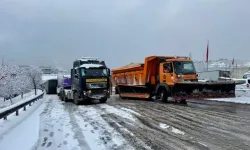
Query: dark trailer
pixel 50 86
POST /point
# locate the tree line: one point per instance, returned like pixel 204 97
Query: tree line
pixel 15 80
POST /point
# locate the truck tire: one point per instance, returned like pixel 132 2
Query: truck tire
pixel 116 90
pixel 103 100
pixel 183 101
pixel 63 96
pixel 163 95
pixel 76 101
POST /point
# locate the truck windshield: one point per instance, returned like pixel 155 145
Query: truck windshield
pixel 94 72
pixel 184 67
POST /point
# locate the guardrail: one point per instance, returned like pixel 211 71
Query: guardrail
pixel 15 107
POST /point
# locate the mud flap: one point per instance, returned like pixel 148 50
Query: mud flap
pixel 203 90
pixel 133 91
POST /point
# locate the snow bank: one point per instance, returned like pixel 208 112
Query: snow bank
pixel 24 129
pixel 21 101
pixel 243 100
pixel 242 96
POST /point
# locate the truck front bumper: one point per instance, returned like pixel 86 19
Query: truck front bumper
pixel 96 94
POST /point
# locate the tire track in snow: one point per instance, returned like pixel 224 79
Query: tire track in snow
pixel 213 128
pixel 75 126
pixel 99 130
pixel 150 134
pixel 56 128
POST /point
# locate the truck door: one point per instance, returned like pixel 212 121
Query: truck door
pixel 166 73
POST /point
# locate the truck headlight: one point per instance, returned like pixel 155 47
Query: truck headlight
pixel 84 93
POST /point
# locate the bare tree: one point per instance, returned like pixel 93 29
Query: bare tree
pixel 34 75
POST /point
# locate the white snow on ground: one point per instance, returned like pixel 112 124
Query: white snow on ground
pixel 18 102
pixel 164 126
pixel 119 112
pixel 174 130
pixel 21 132
pixel 67 126
pixel 55 127
pixel 242 96
pixel 177 131
pixel 97 131
pixel 17 99
pixel 131 111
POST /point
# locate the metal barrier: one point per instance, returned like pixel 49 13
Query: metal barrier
pixel 15 107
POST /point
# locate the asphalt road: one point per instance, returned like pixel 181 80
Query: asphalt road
pixel 137 124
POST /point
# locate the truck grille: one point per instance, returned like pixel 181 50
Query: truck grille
pixel 97 91
pixel 96 85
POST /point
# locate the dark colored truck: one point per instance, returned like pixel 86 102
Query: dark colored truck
pixel 90 80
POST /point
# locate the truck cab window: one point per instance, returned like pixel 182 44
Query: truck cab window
pixel 93 72
pixel 184 67
pixel 167 68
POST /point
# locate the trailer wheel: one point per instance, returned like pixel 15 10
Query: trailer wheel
pixel 163 95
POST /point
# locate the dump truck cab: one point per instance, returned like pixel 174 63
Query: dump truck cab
pixel 171 71
pixel 177 70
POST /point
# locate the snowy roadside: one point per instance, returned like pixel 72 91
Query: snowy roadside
pixel 22 131
pixel 17 99
pixel 242 96
pixel 67 126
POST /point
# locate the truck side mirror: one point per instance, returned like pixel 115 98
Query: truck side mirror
pixel 108 72
pixel 76 76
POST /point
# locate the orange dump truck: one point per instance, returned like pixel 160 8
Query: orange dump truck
pixel 164 77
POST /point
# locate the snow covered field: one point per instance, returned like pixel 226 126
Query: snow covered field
pixel 26 96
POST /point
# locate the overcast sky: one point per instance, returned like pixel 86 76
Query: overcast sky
pixel 56 32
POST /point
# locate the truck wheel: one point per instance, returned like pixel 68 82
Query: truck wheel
pixel 76 99
pixel 163 95
pixel 183 101
pixel 116 90
pixel 63 96
pixel 104 100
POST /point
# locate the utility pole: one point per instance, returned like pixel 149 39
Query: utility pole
pixel 207 53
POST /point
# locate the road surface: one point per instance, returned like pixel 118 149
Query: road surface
pixel 145 125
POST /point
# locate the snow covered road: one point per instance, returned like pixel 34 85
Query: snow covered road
pixel 132 124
